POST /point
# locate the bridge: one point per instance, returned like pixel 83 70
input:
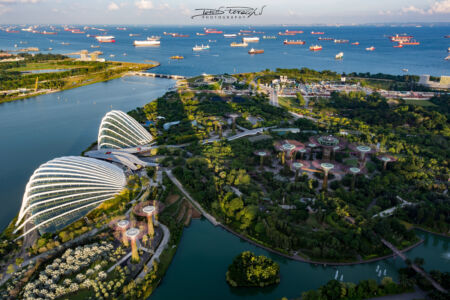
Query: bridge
pixel 146 74
pixel 414 267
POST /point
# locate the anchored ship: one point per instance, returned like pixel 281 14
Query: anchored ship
pixel 234 44
pixel 371 48
pixel 355 43
pixel 253 39
pixel 200 48
pixel 340 41
pixel 255 51
pixel 292 42
pixel 106 39
pixel 146 43
pixel 230 35
pixel 317 32
pixel 315 48
pixel 153 38
pixel 340 55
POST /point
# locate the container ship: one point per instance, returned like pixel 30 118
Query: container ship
pixel 213 31
pixel 292 42
pixel 255 51
pixel 48 32
pixel 234 44
pixel 146 43
pixel 253 39
pixel 230 35
pixel 106 39
pixel 340 41
pixel 371 48
pixel 200 48
pixel 340 55
pixel 315 48
pixel 317 32
pixel 409 42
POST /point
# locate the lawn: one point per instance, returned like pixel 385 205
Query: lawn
pixel 420 102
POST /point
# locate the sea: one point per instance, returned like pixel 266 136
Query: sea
pixel 426 58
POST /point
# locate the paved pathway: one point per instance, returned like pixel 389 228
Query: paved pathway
pixel 195 203
pixel 158 251
pixel 415 267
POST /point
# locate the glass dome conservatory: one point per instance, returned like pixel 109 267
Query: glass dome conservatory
pixel 119 130
pixel 64 189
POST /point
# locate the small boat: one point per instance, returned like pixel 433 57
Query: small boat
pixel 134 34
pixel 95 46
pixel 315 48
pixel 153 38
pixel 292 42
pixel 447 58
pixel 111 55
pixel 50 49
pixel 255 51
pixel 253 39
pixel 384 273
pixel 65 43
pixel 405 70
pixel 177 57
pixel 378 268
pixel 355 43
pixel 234 44
pixel 200 48
pixel 371 48
pixel 399 45
pixel 340 55
pixel 212 41
pixel 230 35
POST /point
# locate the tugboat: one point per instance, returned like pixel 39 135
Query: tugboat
pixel 255 51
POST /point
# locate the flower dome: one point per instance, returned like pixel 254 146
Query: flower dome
pixel 65 189
pixel 118 130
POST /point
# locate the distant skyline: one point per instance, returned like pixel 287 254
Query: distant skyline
pixel 163 12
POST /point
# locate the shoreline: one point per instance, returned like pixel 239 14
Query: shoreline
pixel 304 260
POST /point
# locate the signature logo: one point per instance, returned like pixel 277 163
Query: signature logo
pixel 228 12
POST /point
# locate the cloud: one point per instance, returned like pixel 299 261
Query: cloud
pixel 440 7
pixel 19 1
pixel 184 10
pixel 113 6
pixel 4 9
pixel 143 4
pixel 412 9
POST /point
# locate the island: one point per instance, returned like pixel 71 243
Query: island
pixel 299 162
pixel 250 270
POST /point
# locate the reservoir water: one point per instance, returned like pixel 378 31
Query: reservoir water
pixel 199 266
pixel 35 130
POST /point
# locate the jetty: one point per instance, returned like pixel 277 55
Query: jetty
pixel 146 74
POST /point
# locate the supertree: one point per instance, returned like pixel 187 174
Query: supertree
pixel 261 154
pixel 354 171
pixel 328 143
pixel 327 167
pixel 133 234
pixel 288 148
pixel 363 150
pixel 386 158
pixel 121 226
pixel 234 117
pixel 147 209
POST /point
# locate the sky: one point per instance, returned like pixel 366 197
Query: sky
pixel 179 12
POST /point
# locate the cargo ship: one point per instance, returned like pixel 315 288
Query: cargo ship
pixel 355 43
pixel 198 33
pixel 269 37
pixel 315 48
pixel 200 48
pixel 409 42
pixel 230 35
pixel 245 31
pixel 106 39
pixel 293 31
pixel 284 33
pixel 255 51
pixel 371 48
pixel 340 55
pixel 134 34
pixel 146 43
pixel 292 42
pixel 340 41
pixel 324 38
pixel 179 35
pixel 177 57
pixel 400 38
pixel 317 32
pixel 48 32
pixel 213 31
pixel 253 39
pixel 121 28
pixel 234 44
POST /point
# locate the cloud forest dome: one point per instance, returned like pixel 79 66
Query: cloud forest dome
pixel 119 130
pixel 62 190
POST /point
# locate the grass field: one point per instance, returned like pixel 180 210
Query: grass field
pixel 420 102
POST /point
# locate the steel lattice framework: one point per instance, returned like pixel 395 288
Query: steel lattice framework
pixel 64 186
pixel 119 130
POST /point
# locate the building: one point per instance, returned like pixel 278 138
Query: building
pixel 64 189
pixel 444 82
pixel 119 130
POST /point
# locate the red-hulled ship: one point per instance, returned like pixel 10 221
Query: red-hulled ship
pixel 317 32
pixel 285 33
pixel 294 31
pixel 315 48
pixel 213 31
pixel 400 38
pixel 48 32
pixel 255 51
pixel 292 42
pixel 355 43
pixel 399 45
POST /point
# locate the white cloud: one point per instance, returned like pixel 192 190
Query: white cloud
pixel 440 7
pixel 113 6
pixel 184 10
pixel 144 4
pixel 4 9
pixel 412 9
pixel 19 1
